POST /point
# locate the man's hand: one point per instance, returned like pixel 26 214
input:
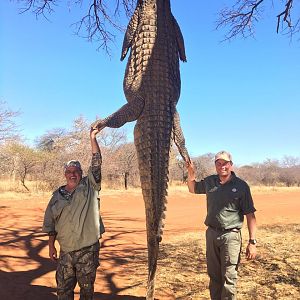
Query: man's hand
pixel 100 124
pixel 251 251
pixel 251 224
pixel 191 171
pixel 191 181
pixel 93 132
pixel 52 253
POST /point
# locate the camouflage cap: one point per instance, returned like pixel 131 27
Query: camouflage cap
pixel 223 155
pixel 72 163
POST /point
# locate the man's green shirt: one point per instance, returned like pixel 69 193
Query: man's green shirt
pixel 226 203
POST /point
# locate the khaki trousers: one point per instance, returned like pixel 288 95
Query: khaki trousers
pixel 223 257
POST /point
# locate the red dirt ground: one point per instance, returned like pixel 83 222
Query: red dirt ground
pixel 27 273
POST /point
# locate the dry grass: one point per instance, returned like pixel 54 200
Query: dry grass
pixel 16 186
pixel 181 266
pixel 273 189
pixel 38 186
pixel 275 274
pixel 254 189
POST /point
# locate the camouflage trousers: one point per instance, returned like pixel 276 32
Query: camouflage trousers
pixel 77 266
pixel 223 257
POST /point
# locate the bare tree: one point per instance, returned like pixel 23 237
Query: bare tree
pixel 54 148
pixel 99 21
pixel 204 165
pixel 127 165
pixel 290 161
pixel 58 145
pixel 7 166
pixel 112 138
pixel 8 128
pixel 272 172
pixel 289 173
pixel 101 18
pixel 270 169
pixel 24 158
pixel 51 141
pixel 241 17
pixel 247 173
pixel 287 176
pixel 177 169
pixel 181 165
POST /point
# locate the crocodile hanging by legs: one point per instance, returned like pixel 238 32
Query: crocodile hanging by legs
pixel 152 89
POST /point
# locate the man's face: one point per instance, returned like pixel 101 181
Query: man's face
pixel 73 176
pixel 223 167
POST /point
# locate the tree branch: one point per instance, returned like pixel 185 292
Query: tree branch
pixel 240 18
pixel 39 7
pixel 97 25
pixel 286 14
pixel 8 128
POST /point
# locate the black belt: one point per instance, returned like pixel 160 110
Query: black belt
pixel 224 230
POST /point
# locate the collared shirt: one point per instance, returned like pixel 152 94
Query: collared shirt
pixel 75 217
pixel 226 203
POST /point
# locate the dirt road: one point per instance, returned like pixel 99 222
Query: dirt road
pixel 27 273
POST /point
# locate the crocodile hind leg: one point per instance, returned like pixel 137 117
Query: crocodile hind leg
pixel 127 113
pixel 179 139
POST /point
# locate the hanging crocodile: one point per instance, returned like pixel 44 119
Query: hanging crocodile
pixel 152 89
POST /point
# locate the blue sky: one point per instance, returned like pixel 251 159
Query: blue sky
pixel 242 96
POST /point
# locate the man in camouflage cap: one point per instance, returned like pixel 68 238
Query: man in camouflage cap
pixel 72 218
pixel 228 201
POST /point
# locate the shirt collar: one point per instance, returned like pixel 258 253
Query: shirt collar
pixel 232 179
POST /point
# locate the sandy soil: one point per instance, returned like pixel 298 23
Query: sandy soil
pixel 27 273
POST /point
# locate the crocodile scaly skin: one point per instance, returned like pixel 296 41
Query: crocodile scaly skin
pixel 152 89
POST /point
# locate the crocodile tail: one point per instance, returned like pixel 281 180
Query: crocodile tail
pixel 152 140
pixel 153 248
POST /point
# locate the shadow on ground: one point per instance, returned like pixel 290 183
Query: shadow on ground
pixel 21 263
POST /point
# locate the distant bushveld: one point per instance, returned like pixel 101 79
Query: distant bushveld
pixel 40 166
